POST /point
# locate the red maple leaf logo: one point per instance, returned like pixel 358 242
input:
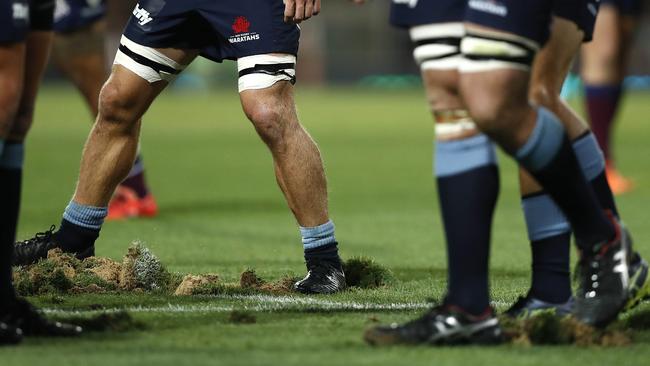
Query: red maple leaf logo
pixel 241 25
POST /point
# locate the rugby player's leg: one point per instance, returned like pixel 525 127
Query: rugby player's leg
pixel 28 62
pixel 548 229
pixel 140 73
pixel 111 147
pixel 499 61
pixel 465 168
pixel 80 55
pixel 25 59
pixel 603 67
pixel 12 59
pixel 297 160
pixel 468 185
pixel 532 134
pixel 81 58
pixel 268 102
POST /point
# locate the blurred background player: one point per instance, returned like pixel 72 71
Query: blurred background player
pixel 25 40
pixel 603 69
pixel 157 44
pixel 549 231
pixel 79 51
pixel 459 146
pixel 497 45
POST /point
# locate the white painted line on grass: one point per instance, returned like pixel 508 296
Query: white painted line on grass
pixel 259 303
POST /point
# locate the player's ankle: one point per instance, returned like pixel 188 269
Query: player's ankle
pixel 73 238
pixel 319 242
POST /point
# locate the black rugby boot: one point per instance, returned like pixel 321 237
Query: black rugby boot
pixel 27 318
pixel 603 281
pixel 324 276
pixel 32 250
pixel 9 334
pixel 639 286
pixel 443 325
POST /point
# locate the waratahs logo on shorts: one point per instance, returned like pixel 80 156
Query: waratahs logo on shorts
pixel 241 27
pixel 489 6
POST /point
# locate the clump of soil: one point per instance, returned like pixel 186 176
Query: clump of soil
pixel 191 284
pixel 251 281
pixel 141 271
pixel 62 273
pixel 548 329
pixel 364 272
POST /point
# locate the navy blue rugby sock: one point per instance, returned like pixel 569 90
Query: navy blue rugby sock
pixel 592 162
pixel 549 157
pixel 319 243
pixel 80 226
pixel 550 239
pixel 11 167
pixel 549 230
pixel 468 186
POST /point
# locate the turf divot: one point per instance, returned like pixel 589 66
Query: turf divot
pixel 61 273
pixel 548 329
pixel 141 271
pixel 364 272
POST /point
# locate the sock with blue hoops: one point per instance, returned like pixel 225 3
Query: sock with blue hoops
pixel 549 157
pixel 319 243
pixel 11 168
pixel 468 186
pixel 592 162
pixel 550 240
pixel 550 232
pixel 80 227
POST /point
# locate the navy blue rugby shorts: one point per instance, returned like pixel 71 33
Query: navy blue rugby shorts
pixel 223 29
pixel 529 19
pixel 410 13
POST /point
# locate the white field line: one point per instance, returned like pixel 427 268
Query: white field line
pixel 258 303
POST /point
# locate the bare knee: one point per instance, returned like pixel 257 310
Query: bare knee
pixel 442 89
pixel 269 123
pixel 272 114
pixel 498 103
pixel 489 113
pixel 117 111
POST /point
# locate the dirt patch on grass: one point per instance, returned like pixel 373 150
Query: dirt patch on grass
pixel 62 273
pixel 141 271
pixel 548 329
pixel 191 283
pixel 251 281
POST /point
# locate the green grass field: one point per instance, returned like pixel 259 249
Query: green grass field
pixel 221 212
